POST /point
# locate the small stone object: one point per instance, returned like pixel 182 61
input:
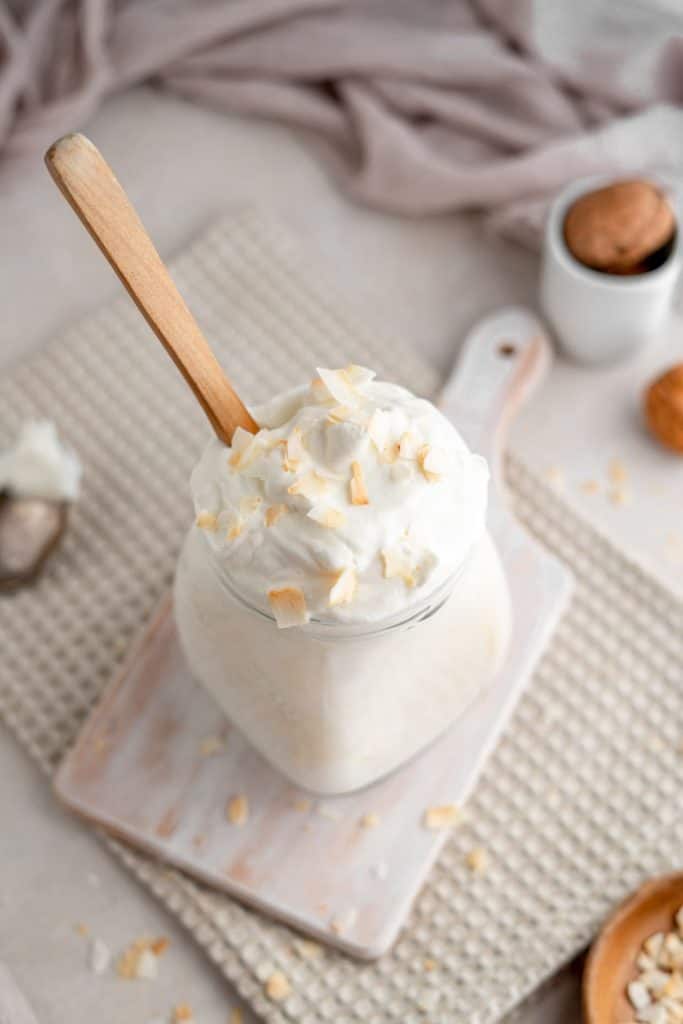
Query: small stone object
pixel 664 408
pixel 30 529
pixel 620 229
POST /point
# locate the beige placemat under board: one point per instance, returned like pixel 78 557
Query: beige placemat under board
pixel 579 801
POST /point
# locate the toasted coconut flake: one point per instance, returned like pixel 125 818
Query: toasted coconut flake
pixel 477 860
pixel 289 606
pixel 340 386
pixel 237 810
pixel 344 590
pixel 619 496
pixel 390 453
pixel 357 490
pixel 379 429
pixel 340 414
pixel 274 513
pixel 311 485
pixel 182 1012
pixel 429 965
pixel 369 820
pixel 408 446
pixel 331 813
pixel 431 462
pixel 617 472
pixel 344 922
pixel 444 816
pixel 207 521
pixel 140 959
pixel 295 445
pixel 245 447
pixel 249 504
pixel 654 944
pixel 327 516
pixel 398 565
pixel 236 1016
pixel 307 949
pixel 211 745
pixel 359 375
pixel 590 486
pixel 319 391
pixel 277 987
pixel 235 530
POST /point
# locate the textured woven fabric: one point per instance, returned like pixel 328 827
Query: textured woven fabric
pixel 579 801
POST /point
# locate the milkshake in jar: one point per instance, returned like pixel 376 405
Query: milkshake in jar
pixel 338 593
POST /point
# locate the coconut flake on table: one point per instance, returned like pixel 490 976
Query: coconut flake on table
pixel 39 465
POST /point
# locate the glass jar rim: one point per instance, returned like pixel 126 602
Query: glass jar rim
pixel 322 629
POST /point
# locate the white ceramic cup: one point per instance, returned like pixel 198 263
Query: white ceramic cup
pixel 601 317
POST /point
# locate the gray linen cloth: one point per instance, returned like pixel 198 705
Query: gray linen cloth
pixel 421 106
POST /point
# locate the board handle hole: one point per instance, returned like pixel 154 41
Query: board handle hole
pixel 506 349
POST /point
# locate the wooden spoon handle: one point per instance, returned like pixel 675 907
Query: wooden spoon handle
pixel 88 183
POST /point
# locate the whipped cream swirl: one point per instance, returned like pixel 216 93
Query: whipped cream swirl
pixel 354 501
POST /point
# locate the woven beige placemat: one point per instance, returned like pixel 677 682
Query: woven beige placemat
pixel 579 801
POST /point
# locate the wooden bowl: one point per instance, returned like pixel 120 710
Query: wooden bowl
pixel 611 962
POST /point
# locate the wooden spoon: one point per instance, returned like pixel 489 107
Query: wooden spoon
pixel 611 962
pixel 88 183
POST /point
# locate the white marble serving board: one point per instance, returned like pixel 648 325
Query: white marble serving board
pixel 141 769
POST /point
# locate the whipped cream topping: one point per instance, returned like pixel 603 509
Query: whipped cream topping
pixel 354 501
pixel 39 465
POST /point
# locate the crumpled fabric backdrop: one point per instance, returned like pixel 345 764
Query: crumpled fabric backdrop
pixel 420 106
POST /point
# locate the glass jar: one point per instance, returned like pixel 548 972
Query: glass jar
pixel 335 707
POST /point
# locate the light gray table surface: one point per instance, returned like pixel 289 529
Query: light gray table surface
pixel 430 279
